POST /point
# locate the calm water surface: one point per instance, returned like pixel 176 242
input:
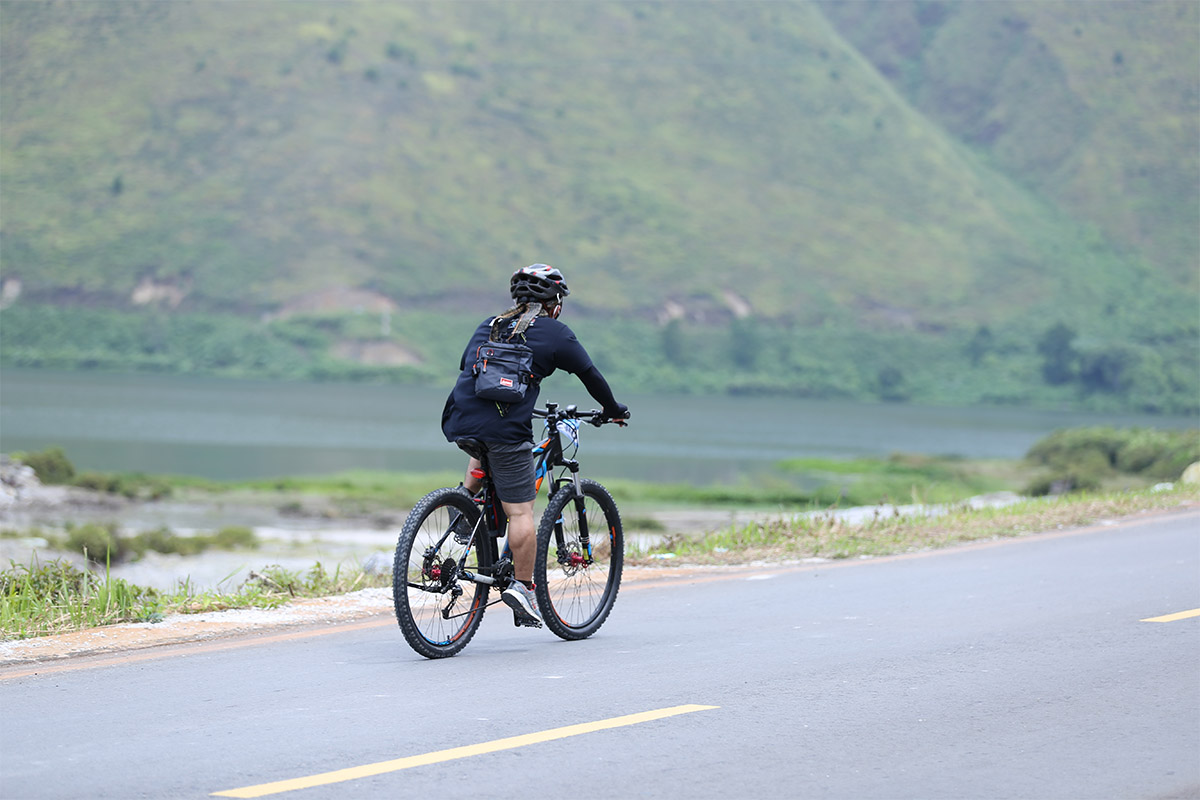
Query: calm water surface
pixel 234 429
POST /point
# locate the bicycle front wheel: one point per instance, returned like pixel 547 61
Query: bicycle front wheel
pixel 438 612
pixel 581 550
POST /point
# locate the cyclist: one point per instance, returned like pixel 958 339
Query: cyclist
pixel 507 429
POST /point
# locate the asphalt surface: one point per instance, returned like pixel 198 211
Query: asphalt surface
pixel 1019 669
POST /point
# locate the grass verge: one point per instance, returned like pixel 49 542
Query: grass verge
pixel 824 535
pixel 43 599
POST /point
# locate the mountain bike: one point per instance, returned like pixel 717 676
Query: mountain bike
pixel 449 555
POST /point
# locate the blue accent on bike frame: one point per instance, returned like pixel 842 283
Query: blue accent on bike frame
pixel 540 472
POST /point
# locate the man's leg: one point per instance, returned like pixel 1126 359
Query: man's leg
pixel 470 481
pixel 522 539
pixel 513 475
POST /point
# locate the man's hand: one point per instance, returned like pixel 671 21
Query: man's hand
pixel 617 412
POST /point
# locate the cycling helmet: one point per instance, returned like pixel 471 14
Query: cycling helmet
pixel 538 282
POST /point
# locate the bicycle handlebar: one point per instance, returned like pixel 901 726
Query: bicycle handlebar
pixel 595 416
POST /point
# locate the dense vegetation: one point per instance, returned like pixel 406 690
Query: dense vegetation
pixel 945 202
pixel 1019 364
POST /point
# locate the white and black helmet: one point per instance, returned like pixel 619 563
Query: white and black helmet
pixel 539 282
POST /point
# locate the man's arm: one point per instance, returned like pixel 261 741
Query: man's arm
pixel 600 391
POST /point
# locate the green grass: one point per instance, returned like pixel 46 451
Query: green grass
pixel 44 599
pixel 39 599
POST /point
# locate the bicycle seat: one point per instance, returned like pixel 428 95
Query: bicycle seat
pixel 472 447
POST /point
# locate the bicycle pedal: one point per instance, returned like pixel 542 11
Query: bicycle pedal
pixel 520 622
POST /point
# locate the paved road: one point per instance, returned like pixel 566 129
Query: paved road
pixel 1021 669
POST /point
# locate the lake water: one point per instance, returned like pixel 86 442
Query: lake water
pixel 236 429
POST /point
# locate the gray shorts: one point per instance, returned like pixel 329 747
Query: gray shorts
pixel 512 471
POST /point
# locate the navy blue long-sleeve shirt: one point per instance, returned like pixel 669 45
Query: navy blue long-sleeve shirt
pixel 554 347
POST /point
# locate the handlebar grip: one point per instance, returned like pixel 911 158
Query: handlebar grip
pixel 596 416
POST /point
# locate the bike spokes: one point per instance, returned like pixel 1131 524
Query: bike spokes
pixel 437 609
pixel 580 556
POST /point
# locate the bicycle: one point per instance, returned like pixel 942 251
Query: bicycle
pixel 448 555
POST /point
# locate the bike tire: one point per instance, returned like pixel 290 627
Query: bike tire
pixel 436 619
pixel 576 597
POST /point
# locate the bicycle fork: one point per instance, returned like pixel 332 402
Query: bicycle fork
pixel 565 557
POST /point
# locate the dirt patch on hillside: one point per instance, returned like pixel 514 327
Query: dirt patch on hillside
pixel 337 299
pixel 377 353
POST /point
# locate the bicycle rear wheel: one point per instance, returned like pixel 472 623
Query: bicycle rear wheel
pixel 438 613
pixel 577 582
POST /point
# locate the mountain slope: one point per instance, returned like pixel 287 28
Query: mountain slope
pixel 1094 105
pixel 696 150
pixel 928 168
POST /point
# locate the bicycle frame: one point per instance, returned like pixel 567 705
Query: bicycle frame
pixel 440 584
pixel 495 568
pixel 554 457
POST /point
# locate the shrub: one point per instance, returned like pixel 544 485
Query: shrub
pixel 157 540
pixel 1063 483
pixel 1143 450
pixel 156 488
pixel 51 465
pixel 100 543
pixel 1072 446
pixel 1109 369
pixel 163 540
pixel 1081 458
pixel 131 486
pixel 1059 357
pixel 235 537
pixel 98 482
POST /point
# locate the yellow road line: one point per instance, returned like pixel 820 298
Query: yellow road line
pixel 1195 612
pixel 367 770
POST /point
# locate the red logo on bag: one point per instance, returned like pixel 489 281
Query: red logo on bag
pixel 506 383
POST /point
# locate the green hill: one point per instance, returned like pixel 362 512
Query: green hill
pixel 900 200
pixel 1092 105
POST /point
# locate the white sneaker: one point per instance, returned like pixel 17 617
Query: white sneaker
pixel 523 603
